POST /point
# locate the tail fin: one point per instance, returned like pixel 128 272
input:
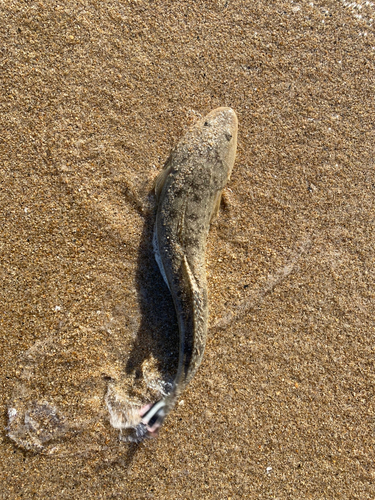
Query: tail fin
pixel 154 416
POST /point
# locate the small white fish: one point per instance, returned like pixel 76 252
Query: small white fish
pixel 188 192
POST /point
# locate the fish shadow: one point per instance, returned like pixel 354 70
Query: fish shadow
pixel 157 336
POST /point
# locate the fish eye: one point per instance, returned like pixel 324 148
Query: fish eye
pixel 206 124
pixel 228 136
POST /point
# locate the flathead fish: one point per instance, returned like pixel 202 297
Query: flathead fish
pixel 188 193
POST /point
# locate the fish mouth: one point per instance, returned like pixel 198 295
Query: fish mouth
pixel 152 416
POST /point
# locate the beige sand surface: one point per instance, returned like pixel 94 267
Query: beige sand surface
pixel 93 95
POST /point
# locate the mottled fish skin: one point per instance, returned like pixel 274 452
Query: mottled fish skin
pixel 188 192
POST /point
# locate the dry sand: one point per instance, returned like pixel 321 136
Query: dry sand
pixel 93 97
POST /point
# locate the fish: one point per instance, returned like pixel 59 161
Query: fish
pixel 188 192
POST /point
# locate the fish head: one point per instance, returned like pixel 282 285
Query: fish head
pixel 223 120
pixel 218 131
pixel 212 139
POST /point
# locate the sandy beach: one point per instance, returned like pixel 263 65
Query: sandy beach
pixel 93 96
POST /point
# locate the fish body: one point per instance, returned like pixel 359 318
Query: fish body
pixel 188 193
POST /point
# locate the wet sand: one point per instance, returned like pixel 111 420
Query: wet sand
pixel 93 97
